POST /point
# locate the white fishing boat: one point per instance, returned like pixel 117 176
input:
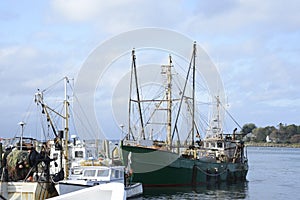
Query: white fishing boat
pixel 89 176
pixel 107 191
pixel 25 167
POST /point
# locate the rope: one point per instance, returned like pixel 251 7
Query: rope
pixel 51 86
pixel 208 174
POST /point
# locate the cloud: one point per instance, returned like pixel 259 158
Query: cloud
pixel 118 16
pixel 78 10
pixel 241 16
pixel 284 102
pixel 254 43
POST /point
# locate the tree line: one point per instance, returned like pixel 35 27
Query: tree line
pixel 282 133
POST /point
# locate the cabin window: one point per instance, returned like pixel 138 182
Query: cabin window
pixel 78 154
pixel 77 172
pixel 219 144
pixel 89 173
pixel 102 172
pixel 115 173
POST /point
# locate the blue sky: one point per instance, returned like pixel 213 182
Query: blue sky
pixel 255 45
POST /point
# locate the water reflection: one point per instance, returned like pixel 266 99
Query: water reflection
pixel 237 190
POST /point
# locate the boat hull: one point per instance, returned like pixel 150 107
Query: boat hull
pixel 27 190
pixel 163 168
pixel 106 191
pixel 63 188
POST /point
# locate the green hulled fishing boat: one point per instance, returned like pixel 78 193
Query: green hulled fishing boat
pixel 179 161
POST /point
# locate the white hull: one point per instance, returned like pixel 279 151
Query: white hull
pixel 108 191
pixel 25 190
pixel 66 188
pixel 134 190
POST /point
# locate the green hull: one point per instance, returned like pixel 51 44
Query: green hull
pixel 162 168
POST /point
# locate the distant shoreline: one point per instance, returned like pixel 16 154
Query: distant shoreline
pixel 269 144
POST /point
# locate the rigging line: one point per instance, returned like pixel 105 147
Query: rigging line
pixel 51 86
pixel 151 86
pixel 26 117
pixel 181 67
pixel 152 114
pixel 194 123
pixel 181 100
pixel 177 84
pixel 145 109
pixel 36 119
pixel 203 103
pixel 203 117
pixel 198 84
pixel 42 124
pixel 159 93
pixel 53 124
pixel 73 121
pixel 231 116
pixel 83 125
pixel 84 114
pixel 203 128
pixel 201 87
pixel 176 80
pixel 57 114
pixel 154 105
pixel 41 121
pixel 137 91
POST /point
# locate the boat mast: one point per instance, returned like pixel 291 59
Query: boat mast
pixel 129 106
pixel 169 103
pixel 193 98
pixel 137 93
pixel 218 117
pixel 66 117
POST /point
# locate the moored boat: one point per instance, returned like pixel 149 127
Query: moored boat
pixel 105 191
pixel 26 163
pixel 88 176
pixel 25 172
pixel 218 157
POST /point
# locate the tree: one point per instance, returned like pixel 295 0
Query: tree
pixel 291 130
pixel 282 133
pixel 260 134
pixel 295 139
pixel 275 135
pixel 247 128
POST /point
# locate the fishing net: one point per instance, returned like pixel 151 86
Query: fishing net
pixel 18 164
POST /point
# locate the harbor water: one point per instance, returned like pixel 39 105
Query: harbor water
pixel 274 173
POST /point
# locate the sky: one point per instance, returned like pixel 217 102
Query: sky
pixel 254 44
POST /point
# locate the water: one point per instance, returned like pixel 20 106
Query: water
pixel 274 173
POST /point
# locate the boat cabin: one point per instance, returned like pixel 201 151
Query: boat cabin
pixel 95 175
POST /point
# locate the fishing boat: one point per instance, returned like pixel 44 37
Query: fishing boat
pixel 25 171
pixel 106 191
pixel 171 161
pixel 88 176
pixel 26 165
